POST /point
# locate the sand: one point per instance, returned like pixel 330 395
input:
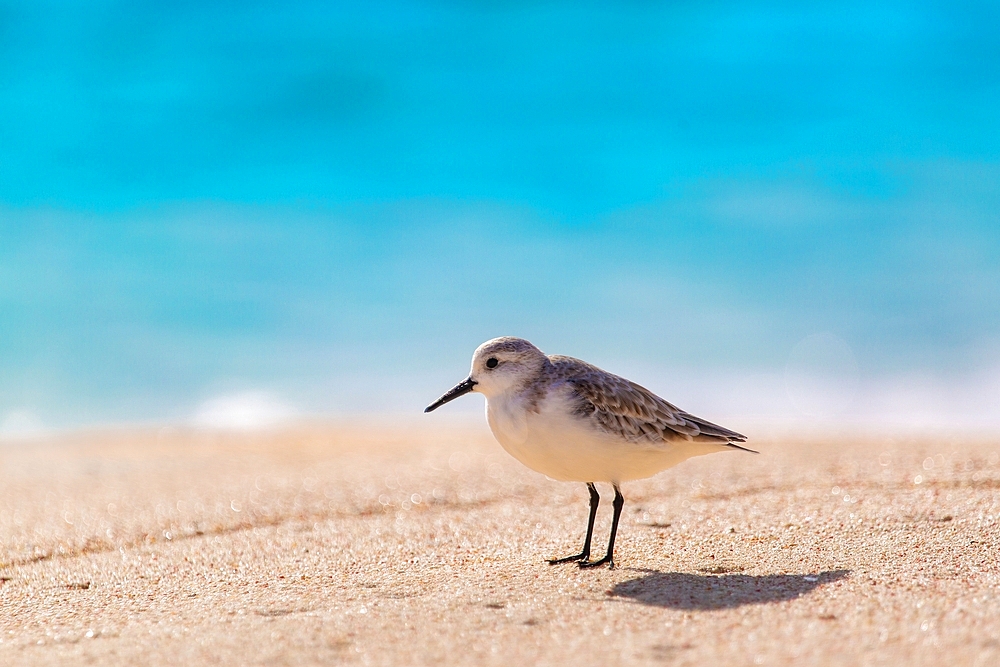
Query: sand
pixel 422 543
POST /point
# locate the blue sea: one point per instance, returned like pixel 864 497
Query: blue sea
pixel 241 213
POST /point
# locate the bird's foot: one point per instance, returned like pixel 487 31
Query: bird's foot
pixel 571 559
pixel 607 560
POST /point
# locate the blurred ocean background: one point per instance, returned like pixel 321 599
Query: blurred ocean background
pixel 241 213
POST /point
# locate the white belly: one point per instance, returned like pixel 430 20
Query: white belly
pixel 562 447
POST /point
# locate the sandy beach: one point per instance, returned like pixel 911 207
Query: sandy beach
pixel 415 543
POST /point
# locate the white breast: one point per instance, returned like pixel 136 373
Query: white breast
pixel 508 419
pixel 560 445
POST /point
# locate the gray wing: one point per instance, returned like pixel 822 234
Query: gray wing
pixel 622 407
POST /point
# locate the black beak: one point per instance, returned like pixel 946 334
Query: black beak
pixel 460 389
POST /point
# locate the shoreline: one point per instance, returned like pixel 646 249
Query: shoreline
pixel 374 544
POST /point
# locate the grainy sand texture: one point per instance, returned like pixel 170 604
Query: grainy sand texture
pixel 422 543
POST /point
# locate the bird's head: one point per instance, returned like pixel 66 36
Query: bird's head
pixel 498 366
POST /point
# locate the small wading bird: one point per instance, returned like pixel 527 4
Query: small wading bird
pixel 574 422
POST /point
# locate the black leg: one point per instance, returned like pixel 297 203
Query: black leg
pixel 595 498
pixel 609 558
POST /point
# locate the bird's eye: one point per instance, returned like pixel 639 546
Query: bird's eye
pixel 492 362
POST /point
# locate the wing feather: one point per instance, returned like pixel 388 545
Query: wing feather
pixel 633 412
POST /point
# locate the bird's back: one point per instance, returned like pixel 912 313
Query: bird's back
pixel 629 411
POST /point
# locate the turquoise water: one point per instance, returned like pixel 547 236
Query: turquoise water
pixel 329 205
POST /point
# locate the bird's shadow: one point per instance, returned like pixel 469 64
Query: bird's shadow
pixel 681 590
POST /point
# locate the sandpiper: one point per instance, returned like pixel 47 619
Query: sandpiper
pixel 572 421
